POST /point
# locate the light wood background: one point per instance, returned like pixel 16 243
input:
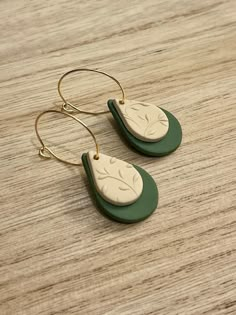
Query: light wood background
pixel 58 255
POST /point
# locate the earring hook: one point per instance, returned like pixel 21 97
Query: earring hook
pixel 66 103
pixel 47 153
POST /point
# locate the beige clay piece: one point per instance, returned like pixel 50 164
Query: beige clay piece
pixel 118 182
pixel 145 121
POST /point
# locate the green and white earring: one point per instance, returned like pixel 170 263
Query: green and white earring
pixel 124 192
pixel 150 129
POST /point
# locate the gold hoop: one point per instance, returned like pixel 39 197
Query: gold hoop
pixel 44 149
pixel 66 103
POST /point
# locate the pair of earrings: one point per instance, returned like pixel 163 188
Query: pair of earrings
pixel 124 192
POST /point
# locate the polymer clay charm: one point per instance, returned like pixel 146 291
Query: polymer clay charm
pixel 146 122
pixel 147 127
pixel 123 192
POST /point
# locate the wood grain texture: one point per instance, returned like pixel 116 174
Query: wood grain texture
pixel 58 255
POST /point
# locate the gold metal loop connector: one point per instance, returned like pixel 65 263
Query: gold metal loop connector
pixel 66 103
pixel 47 153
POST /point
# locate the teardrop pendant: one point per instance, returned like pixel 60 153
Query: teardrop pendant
pixel 148 128
pixel 145 121
pixel 123 192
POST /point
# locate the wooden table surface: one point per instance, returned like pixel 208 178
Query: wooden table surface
pixel 58 255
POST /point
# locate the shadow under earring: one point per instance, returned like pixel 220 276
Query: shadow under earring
pixel 124 192
pixel 150 129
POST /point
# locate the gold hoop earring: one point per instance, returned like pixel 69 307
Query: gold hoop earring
pixel 67 103
pixel 123 192
pixel 150 129
pixel 45 148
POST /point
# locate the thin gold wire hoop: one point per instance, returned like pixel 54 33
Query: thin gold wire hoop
pixel 44 149
pixel 66 103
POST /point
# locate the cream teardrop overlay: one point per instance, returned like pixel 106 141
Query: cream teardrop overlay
pixel 118 182
pixel 145 121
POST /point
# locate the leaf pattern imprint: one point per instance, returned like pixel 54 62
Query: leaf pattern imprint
pixel 121 174
pixel 112 160
pixel 100 172
pixel 117 179
pixel 123 188
pixel 129 166
pixel 145 119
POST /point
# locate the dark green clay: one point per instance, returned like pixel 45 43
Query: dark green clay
pixel 165 146
pixel 138 211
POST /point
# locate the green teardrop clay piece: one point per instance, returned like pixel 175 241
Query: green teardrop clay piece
pixel 139 210
pixel 165 146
